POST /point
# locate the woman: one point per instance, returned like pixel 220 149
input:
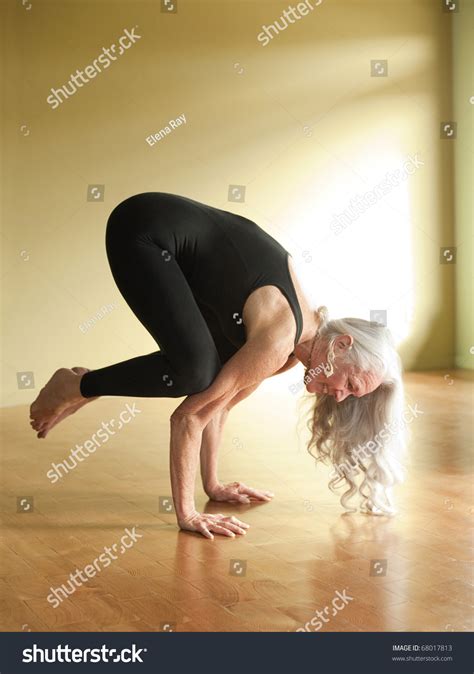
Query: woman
pixel 221 298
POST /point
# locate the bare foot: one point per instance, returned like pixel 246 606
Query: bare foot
pixel 45 427
pixel 61 394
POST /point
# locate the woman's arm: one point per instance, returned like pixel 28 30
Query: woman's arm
pixel 256 359
pixel 291 362
pixel 211 439
pixel 234 492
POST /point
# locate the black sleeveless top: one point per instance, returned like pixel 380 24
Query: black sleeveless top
pixel 224 257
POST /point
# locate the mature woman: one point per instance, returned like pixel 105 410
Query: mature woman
pixel 221 298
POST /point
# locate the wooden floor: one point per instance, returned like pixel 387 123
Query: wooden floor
pixel 411 572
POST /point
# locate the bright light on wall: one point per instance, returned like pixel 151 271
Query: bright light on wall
pixel 350 239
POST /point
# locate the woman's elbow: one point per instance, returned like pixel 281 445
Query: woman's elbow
pixel 186 423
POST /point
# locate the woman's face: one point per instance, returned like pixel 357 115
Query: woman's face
pixel 347 379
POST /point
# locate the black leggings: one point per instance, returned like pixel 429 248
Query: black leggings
pixel 155 288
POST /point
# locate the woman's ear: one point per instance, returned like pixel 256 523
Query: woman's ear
pixel 344 342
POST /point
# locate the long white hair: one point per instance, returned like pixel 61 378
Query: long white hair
pixel 363 438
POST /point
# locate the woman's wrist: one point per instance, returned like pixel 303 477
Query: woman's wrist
pixel 211 485
pixel 184 504
pixel 186 516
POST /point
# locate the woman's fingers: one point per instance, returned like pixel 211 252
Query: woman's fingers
pixel 258 494
pixel 233 496
pixel 222 529
pixel 234 527
pixel 238 492
pixel 224 524
pixel 210 524
pixel 240 498
pixel 234 520
pixel 202 528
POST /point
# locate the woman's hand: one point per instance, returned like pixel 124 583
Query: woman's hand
pixel 238 492
pixel 219 524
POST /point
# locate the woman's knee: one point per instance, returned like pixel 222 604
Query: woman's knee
pixel 203 374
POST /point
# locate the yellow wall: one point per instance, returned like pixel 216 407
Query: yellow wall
pixel 300 122
pixel 463 98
